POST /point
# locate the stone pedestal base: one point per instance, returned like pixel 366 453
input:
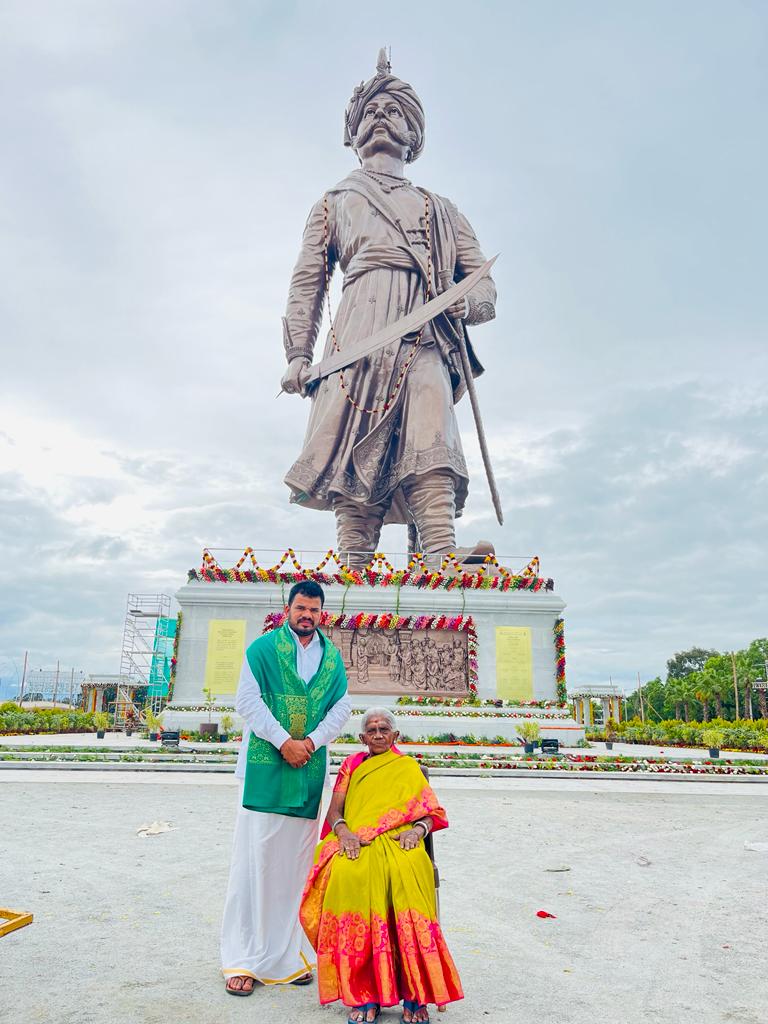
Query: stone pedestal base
pixel 490 611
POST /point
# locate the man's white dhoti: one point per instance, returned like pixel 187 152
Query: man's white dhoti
pixel 261 935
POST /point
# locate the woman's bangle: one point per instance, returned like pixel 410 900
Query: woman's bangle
pixel 423 825
pixel 337 822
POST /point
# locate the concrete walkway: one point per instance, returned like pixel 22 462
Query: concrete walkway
pixel 659 918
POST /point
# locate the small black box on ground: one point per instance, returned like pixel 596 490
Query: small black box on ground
pixel 550 746
pixel 171 737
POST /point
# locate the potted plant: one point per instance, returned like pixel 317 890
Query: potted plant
pixel 153 723
pixel 130 721
pixel 227 725
pixel 101 721
pixel 209 728
pixel 713 738
pixel 529 733
pixel 611 734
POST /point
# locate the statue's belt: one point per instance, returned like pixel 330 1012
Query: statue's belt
pixel 399 328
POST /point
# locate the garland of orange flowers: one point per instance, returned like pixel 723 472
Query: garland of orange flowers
pixel 377 573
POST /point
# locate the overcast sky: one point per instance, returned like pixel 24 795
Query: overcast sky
pixel 158 163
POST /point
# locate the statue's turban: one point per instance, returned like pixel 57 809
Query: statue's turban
pixel 383 81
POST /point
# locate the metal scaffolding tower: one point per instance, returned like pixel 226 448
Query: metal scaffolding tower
pixel 147 646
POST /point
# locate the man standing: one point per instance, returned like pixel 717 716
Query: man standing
pixel 293 697
pixel 383 443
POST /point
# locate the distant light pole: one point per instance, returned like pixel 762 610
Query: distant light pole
pixel 23 678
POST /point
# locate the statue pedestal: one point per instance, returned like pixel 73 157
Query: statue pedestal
pixel 512 651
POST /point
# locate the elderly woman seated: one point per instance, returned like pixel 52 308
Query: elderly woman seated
pixel 369 904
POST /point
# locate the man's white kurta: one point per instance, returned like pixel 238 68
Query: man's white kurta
pixel 261 936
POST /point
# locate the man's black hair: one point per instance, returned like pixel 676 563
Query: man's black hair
pixel 309 589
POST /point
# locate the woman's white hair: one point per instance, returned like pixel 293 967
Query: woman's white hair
pixel 379 713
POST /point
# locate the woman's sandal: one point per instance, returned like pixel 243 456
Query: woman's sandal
pixel 305 979
pixel 413 1007
pixel 240 991
pixel 365 1008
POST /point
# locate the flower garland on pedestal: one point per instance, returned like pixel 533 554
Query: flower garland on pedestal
pixel 378 573
pixel 559 631
pixel 392 621
pixel 174 657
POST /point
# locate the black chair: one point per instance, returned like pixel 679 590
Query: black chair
pixel 429 846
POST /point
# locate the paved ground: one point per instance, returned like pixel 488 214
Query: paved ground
pixel 660 918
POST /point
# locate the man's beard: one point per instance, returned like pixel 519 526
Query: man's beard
pixel 304 629
pixel 366 131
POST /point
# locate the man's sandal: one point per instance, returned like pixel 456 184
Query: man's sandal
pixel 240 991
pixel 413 1006
pixel 364 1008
pixel 305 979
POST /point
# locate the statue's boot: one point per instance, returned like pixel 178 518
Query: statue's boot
pixel 477 554
pixel 358 528
pixel 431 499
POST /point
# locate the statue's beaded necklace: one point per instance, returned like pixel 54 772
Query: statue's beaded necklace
pixel 388 182
pixel 427 292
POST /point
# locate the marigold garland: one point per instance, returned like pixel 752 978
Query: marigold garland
pixel 390 620
pixel 378 573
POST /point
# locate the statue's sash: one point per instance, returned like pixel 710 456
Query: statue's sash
pixel 363 186
pixel 271 784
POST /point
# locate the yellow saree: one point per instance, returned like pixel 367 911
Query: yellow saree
pixel 373 921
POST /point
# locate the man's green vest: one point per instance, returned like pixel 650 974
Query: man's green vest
pixel 271 784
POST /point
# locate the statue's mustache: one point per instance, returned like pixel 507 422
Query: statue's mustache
pixel 366 130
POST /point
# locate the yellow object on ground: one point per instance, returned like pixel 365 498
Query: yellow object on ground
pixel 10 920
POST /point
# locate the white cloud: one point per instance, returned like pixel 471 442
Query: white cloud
pixel 159 169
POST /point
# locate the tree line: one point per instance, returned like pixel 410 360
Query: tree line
pixel 703 684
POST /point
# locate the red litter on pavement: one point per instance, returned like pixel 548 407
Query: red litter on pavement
pixel 545 913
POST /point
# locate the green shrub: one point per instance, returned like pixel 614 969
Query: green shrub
pixel 44 720
pixel 744 734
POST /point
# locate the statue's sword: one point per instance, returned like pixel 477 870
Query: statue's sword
pixel 397 330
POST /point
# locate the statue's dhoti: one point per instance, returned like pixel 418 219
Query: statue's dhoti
pixel 409 466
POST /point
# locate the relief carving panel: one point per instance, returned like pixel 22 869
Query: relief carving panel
pixel 404 661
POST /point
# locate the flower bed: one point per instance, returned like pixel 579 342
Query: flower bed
pixel 203 708
pixel 469 712
pixel 458 702
pixel 591 763
pixel 206 737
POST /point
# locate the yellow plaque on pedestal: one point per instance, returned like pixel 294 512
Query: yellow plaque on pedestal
pixel 514 663
pixel 226 647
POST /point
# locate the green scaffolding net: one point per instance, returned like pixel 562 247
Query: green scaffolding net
pixel 162 652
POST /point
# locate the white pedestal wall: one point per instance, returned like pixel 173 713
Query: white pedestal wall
pixel 200 602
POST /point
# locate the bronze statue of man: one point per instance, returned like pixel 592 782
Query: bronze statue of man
pixel 383 444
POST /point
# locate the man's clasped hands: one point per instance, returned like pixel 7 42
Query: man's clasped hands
pixel 297 752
